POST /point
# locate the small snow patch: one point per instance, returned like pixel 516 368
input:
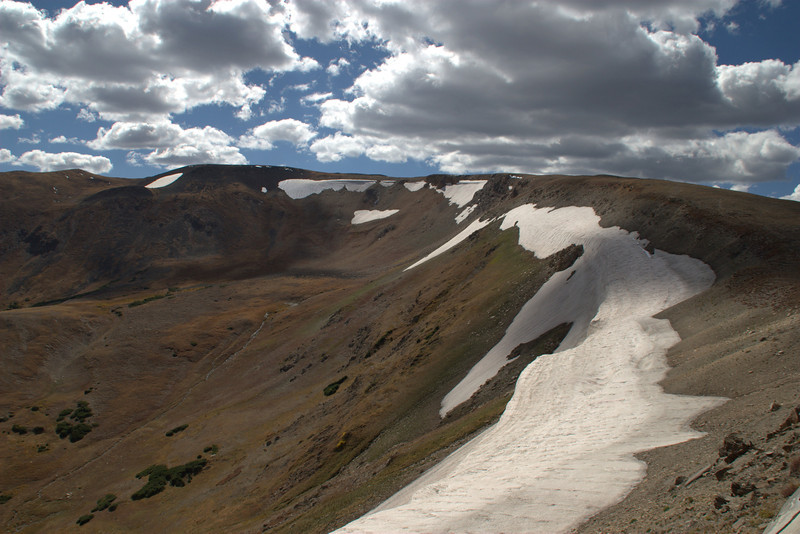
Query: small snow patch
pixel 363 216
pixel 298 188
pixel 414 186
pixel 263 189
pixel 164 181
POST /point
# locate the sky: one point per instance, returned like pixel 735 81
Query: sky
pixel 703 91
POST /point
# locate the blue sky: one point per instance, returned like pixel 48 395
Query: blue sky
pixel 704 91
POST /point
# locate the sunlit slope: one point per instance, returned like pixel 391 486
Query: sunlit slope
pixel 265 319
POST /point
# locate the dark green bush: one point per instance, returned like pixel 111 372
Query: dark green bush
pixel 82 412
pixel 75 431
pixel 82 520
pixel 19 429
pixel 38 430
pixel 177 429
pixel 159 475
pixel 4 498
pixel 332 388
pixel 104 502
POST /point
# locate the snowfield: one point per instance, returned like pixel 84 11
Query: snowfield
pixel 461 193
pixel 164 181
pixel 563 449
pixel 298 188
pixel 363 216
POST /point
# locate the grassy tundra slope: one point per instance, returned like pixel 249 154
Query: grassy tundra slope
pixel 287 347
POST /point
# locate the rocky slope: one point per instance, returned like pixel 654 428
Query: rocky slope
pixel 219 319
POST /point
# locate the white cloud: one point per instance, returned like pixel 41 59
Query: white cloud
pixel 148 58
pixel 335 67
pixel 795 195
pixel 14 122
pixel 618 86
pixel 314 98
pixel 337 146
pixel 62 139
pixel 189 154
pixel 48 161
pixel 86 115
pixel 34 139
pixel 6 156
pixel 172 144
pixel 264 136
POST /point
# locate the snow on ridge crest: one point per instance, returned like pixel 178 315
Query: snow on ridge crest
pixel 298 188
pixel 563 449
pixel 164 181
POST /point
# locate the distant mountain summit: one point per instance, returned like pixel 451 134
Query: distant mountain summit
pixel 259 348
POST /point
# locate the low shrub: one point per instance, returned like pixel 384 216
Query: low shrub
pixel 177 429
pixel 104 502
pixel 82 520
pixel 19 429
pixel 159 475
pixel 332 388
pixel 78 430
pixel 4 498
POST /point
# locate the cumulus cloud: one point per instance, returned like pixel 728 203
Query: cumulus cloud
pixel 13 122
pixel 264 136
pixel 170 144
pixel 48 161
pixel 149 57
pixel 62 139
pixel 6 156
pixel 618 86
pixel 335 67
pixel 337 146
pixel 795 195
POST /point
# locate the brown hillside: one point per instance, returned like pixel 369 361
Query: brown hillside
pixel 289 350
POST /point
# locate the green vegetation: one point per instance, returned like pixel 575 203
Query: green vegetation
pixel 78 430
pixel 104 502
pixel 177 429
pixel 43 448
pixel 14 306
pixel 19 429
pixel 332 388
pixel 151 298
pixel 4 498
pixel 159 474
pixel 82 520
pixel 213 449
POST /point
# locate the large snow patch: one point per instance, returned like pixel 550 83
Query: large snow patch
pixel 300 187
pixel 462 193
pixel 364 216
pixel 563 449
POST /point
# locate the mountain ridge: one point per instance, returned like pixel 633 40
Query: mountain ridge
pixel 334 293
